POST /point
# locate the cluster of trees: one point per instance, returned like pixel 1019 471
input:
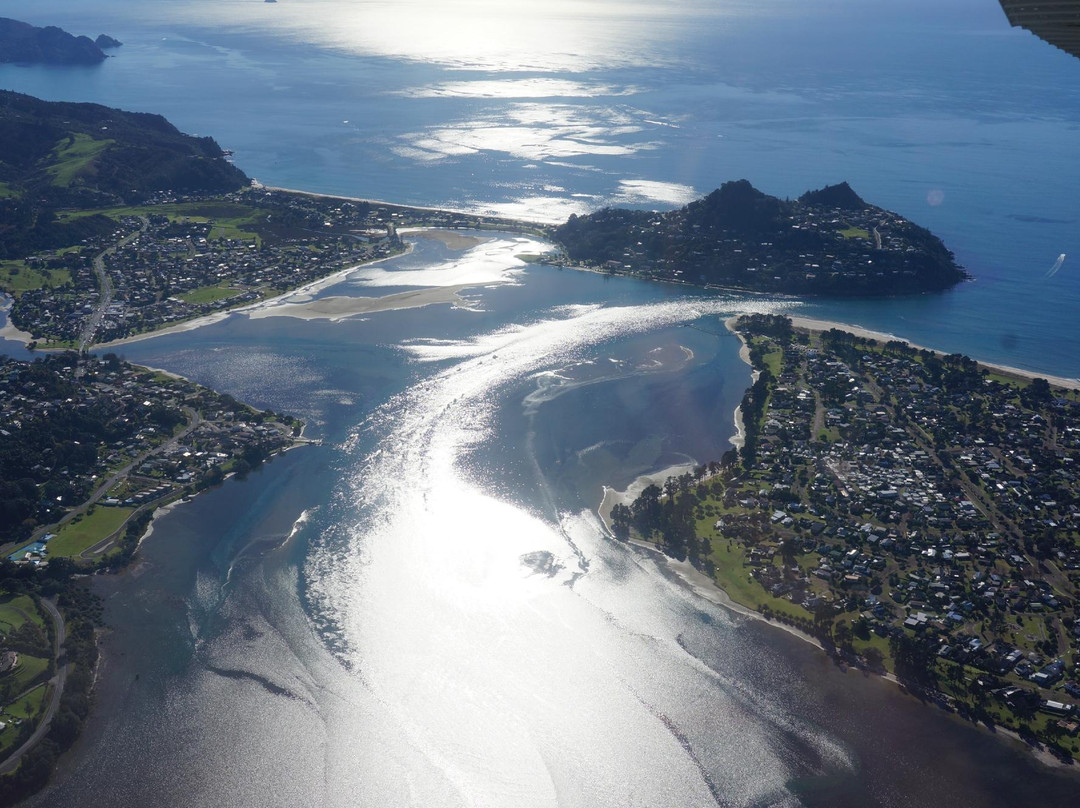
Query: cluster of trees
pixel 752 407
pixel 82 615
pixel 29 229
pixel 669 516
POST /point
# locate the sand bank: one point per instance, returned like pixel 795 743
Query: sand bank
pixel 452 239
pixel 338 307
pixel 9 331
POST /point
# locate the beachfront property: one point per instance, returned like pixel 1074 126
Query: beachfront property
pixel 88 444
pixel 915 511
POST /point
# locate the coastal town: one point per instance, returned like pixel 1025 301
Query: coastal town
pixel 178 258
pixel 90 447
pixel 916 513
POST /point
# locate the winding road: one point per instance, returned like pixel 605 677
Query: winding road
pixel 56 690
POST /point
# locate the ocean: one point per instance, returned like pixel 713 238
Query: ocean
pixel 425 610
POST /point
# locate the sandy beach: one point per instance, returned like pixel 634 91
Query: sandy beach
pixel 824 325
pixel 9 331
pixel 340 307
pixel 499 219
pixel 452 239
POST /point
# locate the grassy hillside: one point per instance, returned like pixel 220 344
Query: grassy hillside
pixel 57 155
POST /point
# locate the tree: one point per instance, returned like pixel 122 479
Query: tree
pixel 842 635
pixel 875 660
pixel 621 517
pixel 788 549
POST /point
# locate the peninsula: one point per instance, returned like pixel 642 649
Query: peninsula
pixel 828 242
pixel 23 43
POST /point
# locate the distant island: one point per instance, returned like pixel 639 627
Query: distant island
pixel 23 43
pixel 828 242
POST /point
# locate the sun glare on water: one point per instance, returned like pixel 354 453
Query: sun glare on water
pixel 492 35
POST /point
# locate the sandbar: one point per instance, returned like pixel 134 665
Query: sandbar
pixel 10 331
pixel 338 307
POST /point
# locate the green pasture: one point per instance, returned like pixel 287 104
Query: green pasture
pixel 78 536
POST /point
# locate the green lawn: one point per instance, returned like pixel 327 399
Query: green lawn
pixel 16 277
pixel 773 361
pixel 880 643
pixel 733 576
pixel 73 155
pixel 75 537
pixel 209 294
pixel 29 705
pixel 28 708
pixel 7 191
pixel 15 610
pixel 1016 381
pixel 232 231
pixel 854 232
pixel 25 672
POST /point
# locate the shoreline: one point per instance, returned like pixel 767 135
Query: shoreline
pixel 427 208
pixel 707 588
pixel 10 331
pixel 218 316
pixel 817 326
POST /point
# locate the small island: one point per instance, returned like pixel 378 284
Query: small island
pixel 828 242
pixel 22 43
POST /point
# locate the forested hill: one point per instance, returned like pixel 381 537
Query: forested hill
pixel 62 155
pixel 827 242
pixel 25 43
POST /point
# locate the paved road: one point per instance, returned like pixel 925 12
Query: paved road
pixel 56 684
pixel 86 336
pixel 194 419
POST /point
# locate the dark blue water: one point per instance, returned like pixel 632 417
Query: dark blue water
pixel 938 111
pixel 361 615
pixel 425 611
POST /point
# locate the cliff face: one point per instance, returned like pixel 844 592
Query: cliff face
pixel 25 43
